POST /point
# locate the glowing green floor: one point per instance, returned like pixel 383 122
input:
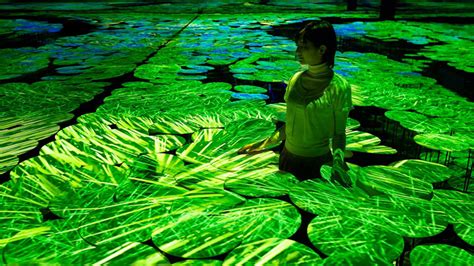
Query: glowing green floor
pixel 151 175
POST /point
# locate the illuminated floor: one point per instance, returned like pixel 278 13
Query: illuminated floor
pixel 120 126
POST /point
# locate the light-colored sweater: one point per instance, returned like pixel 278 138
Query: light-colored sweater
pixel 318 104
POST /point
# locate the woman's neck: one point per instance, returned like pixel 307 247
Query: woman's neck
pixel 318 69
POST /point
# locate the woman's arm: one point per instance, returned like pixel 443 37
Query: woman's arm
pixel 339 138
pixel 276 137
pixel 339 167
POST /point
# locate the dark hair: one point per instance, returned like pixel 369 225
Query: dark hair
pixel 320 33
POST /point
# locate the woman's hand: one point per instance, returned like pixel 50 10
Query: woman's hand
pixel 260 146
pixel 339 173
pixel 251 148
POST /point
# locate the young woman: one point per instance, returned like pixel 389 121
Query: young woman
pixel 318 103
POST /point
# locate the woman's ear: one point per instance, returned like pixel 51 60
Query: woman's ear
pixel 322 49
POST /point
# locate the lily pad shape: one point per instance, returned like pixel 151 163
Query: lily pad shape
pixel 172 125
pixel 200 234
pixel 320 197
pixel 457 206
pixel 205 134
pixel 441 142
pixel 249 96
pixel 262 182
pixel 142 188
pixel 202 175
pixel 428 171
pixel 426 125
pixel 352 124
pixel 337 233
pixel 42 245
pixel 130 253
pixel 465 232
pixel 393 181
pixel 354 258
pixel 440 254
pixel 153 71
pixel 365 142
pixel 198 263
pixel 272 251
pixel 245 162
pixel 405 216
pixel 250 89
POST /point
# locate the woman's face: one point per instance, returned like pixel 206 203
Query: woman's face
pixel 307 53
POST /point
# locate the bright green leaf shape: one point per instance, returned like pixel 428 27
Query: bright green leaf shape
pixel 134 142
pixel 246 131
pixel 143 188
pixel 203 151
pixel 264 182
pixel 216 86
pixel 128 221
pixel 21 133
pixel 14 209
pixel 337 233
pixel 207 120
pixel 245 76
pixel 13 231
pixel 435 110
pixel 38 188
pixel 155 167
pixel 279 110
pixel 249 109
pixel 428 171
pixel 418 122
pixel 433 125
pixel 205 134
pixel 198 234
pixel 365 142
pixel 172 125
pixel 202 175
pixel 263 218
pixel 43 245
pixel 441 142
pixel 245 162
pixel 465 232
pixel 42 178
pixel 353 258
pixel 320 197
pixel 272 251
pixel 153 71
pixel 83 131
pixel 198 263
pixel 359 138
pixel 80 154
pixel 405 216
pixel 393 181
pixel 379 149
pixel 250 89
pixel 203 200
pixel 402 116
pixel 352 124
pixel 458 181
pixel 456 205
pixel 198 226
pixel 138 123
pixel 6 164
pixel 75 205
pixel 130 253
pixel 440 254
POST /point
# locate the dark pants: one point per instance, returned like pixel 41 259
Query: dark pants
pixel 303 167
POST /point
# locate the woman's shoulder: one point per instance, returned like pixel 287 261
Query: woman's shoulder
pixel 295 77
pixel 340 83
